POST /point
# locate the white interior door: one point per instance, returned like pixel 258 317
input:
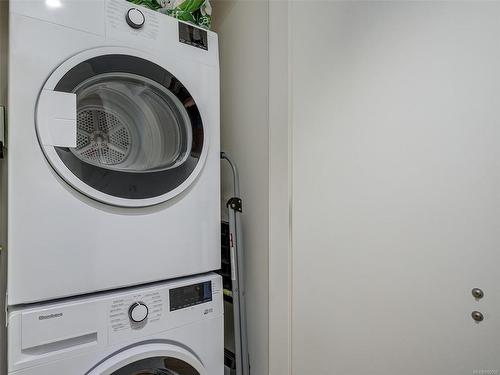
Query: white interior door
pixel 396 187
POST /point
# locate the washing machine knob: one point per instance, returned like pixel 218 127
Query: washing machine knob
pixel 138 312
pixel 135 18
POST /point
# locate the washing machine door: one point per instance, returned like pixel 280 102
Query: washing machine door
pixel 120 128
pixel 151 359
pixel 158 366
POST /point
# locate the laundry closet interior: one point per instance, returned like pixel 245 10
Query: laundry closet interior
pixel 249 187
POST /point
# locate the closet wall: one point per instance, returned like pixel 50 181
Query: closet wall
pixel 393 138
pixel 244 41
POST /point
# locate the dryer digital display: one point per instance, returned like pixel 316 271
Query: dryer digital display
pixel 190 295
pixel 193 36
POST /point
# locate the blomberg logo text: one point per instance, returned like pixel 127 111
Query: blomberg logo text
pixel 50 316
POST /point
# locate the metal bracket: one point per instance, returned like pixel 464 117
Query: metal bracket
pixel 235 203
pixel 6 308
pixel 2 131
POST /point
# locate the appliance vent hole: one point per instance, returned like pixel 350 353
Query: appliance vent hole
pixel 85 121
pixel 101 137
pixel 120 138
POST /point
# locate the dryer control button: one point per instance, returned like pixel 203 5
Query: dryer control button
pixel 135 18
pixel 138 312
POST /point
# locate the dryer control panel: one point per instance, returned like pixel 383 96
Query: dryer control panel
pixel 158 34
pixel 126 21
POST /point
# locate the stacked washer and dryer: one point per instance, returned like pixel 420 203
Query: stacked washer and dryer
pixel 113 192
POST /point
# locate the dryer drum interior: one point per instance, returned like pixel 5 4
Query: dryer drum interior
pixel 130 123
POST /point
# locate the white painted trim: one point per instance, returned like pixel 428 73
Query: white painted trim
pixel 4 48
pixel 280 260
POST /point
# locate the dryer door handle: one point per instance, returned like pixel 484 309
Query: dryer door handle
pixel 56 118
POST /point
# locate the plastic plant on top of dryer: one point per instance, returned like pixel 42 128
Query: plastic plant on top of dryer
pixel 197 12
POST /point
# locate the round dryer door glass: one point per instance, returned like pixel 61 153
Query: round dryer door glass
pixel 158 366
pixel 139 134
pixel 131 124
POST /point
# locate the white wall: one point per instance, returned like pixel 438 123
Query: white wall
pixel 243 35
pixel 394 135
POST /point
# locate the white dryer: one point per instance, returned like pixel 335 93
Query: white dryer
pixel 173 328
pixel 113 148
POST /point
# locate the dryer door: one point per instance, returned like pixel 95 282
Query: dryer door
pixel 151 359
pixel 121 128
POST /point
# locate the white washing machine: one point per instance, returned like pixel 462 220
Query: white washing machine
pixel 172 328
pixel 113 148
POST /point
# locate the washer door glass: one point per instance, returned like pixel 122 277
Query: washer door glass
pixel 139 131
pixel 158 366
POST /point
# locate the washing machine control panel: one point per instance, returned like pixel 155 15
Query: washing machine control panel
pixel 143 311
pixel 190 295
pixel 138 312
pixel 112 319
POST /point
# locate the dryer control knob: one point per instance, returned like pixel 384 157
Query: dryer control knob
pixel 138 312
pixel 135 18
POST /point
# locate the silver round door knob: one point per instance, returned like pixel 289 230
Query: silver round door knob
pixel 477 316
pixel 135 18
pixel 138 312
pixel 477 293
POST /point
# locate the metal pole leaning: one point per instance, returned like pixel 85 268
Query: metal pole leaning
pixel 234 206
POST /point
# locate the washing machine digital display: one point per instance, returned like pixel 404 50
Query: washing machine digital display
pixel 190 295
